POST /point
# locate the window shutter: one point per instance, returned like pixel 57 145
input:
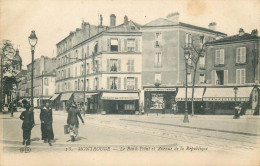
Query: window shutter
pixel 125 82
pixel 119 83
pixel 128 65
pixel 155 59
pixel 119 45
pixel 136 45
pixel 108 45
pixel 108 65
pixel 222 56
pixel 133 65
pixel 243 76
pixel 125 43
pixel 216 57
pixel 119 64
pixel 225 77
pixel 108 80
pixel 238 55
pixel 136 83
pixel 213 77
pixel 238 76
pixel 243 55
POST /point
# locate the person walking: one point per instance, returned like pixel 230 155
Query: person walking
pixel 237 111
pixel 73 121
pixel 27 117
pixel 46 124
pixel 11 108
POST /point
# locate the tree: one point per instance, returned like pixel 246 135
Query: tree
pixel 6 53
pixel 197 47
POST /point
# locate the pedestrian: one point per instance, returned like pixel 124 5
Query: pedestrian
pixel 73 121
pixel 11 108
pixel 175 108
pixel 141 108
pixel 28 122
pixel 237 111
pixel 46 124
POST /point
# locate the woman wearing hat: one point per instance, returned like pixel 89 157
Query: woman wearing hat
pixel 73 121
pixel 46 124
pixel 28 122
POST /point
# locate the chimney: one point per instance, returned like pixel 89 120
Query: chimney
pixel 254 32
pixel 125 20
pixel 174 17
pixel 241 32
pixel 112 20
pixel 101 20
pixel 212 26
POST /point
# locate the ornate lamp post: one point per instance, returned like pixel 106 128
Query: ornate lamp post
pixel 187 56
pixel 33 41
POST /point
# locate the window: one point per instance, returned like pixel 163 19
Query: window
pixel 130 83
pixel 81 70
pixel 87 84
pixel 202 78
pixel 220 57
pixel 240 76
pixel 96 48
pixel 76 54
pixel 76 85
pixel 69 87
pixel 188 78
pixel 129 107
pixel 46 81
pixel 68 72
pixel 130 45
pixel 81 84
pixel 113 65
pixel 114 45
pixel 158 77
pixel 202 63
pixel 113 82
pixel 96 66
pixel 76 74
pixel 188 40
pixel 87 50
pixel 96 84
pixel 130 65
pixel 87 67
pixel 158 59
pixel 158 39
pixel 241 55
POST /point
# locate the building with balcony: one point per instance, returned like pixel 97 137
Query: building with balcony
pixel 163 62
pixel 104 62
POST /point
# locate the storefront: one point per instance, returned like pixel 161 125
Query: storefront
pixel 197 98
pixel 223 100
pixel 55 101
pixel 66 99
pixel 91 101
pixel 159 100
pixel 120 103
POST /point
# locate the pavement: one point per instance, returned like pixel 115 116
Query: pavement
pixel 211 134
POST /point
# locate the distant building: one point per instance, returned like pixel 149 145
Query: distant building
pixel 44 79
pixel 163 62
pixel 21 84
pixel 113 67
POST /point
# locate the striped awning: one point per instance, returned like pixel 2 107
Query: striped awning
pixel 65 96
pixel 54 96
pixel 120 96
pixel 181 96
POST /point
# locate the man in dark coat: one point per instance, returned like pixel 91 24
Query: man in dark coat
pixel 28 122
pixel 73 121
pixel 46 124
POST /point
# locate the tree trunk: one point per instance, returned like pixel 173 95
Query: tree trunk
pixel 193 83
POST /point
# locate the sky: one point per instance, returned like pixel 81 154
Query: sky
pixel 52 20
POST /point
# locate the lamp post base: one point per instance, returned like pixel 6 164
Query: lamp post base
pixel 186 119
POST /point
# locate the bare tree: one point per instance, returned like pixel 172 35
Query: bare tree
pixel 197 48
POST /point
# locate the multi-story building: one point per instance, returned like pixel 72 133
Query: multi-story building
pixel 21 83
pixel 44 79
pixel 163 61
pixel 232 61
pixel 109 59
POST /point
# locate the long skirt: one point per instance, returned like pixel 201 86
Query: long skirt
pixel 47 131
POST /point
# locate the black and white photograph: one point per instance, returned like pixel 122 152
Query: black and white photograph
pixel 130 83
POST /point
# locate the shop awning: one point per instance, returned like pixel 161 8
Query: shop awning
pixel 65 96
pixel 55 96
pixel 120 96
pixel 79 97
pixel 227 94
pixel 198 93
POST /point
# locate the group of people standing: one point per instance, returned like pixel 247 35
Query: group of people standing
pixel 46 119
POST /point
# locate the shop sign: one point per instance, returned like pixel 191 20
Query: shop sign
pixel 160 89
pixel 157 101
pixel 226 99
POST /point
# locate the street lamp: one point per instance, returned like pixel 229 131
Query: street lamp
pixel 186 56
pixel 33 41
pixel 235 91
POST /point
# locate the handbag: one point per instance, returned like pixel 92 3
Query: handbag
pixel 66 129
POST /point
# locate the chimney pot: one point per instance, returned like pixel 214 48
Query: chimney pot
pixel 241 32
pixel 112 20
pixel 212 26
pixel 174 17
pixel 254 32
pixel 125 20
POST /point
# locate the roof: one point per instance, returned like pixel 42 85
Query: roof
pixel 125 27
pixel 165 22
pixel 22 73
pixel 235 38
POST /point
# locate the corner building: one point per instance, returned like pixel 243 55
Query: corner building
pixel 109 59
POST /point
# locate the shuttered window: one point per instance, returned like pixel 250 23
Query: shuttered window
pixel 241 55
pixel 225 77
pixel 240 76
